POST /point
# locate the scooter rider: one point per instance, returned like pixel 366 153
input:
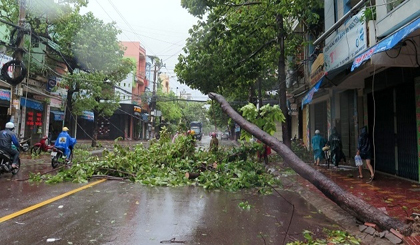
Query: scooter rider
pixel 7 137
pixel 65 142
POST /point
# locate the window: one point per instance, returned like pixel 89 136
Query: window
pixel 392 4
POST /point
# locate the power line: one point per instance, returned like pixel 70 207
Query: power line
pixel 112 19
pixel 157 39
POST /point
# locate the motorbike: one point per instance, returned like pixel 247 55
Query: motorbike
pixel 6 163
pixel 59 158
pixel 24 144
pixel 41 146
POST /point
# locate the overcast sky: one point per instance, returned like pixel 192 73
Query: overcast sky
pixel 161 27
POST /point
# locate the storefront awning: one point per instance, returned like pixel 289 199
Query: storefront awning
pixel 386 44
pixel 308 97
pixel 58 115
pixel 33 104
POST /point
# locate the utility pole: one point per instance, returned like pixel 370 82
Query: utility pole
pixel 153 105
pixel 153 111
pixel 17 89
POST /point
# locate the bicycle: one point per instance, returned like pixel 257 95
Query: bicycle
pixel 327 155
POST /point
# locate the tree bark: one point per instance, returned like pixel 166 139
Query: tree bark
pixel 191 175
pixel 347 201
pixel 95 128
pixel 282 83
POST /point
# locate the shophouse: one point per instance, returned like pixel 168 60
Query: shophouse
pixel 129 121
pixel 367 74
pixel 33 98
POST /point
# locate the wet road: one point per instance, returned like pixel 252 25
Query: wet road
pixel 115 212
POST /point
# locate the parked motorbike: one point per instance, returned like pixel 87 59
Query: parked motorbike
pixel 59 158
pixel 6 163
pixel 41 146
pixel 24 144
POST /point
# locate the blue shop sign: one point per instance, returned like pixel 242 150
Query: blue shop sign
pixel 4 94
pixel 31 104
pixel 88 115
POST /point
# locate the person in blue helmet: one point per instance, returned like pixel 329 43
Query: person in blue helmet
pixel 66 142
pixel 7 138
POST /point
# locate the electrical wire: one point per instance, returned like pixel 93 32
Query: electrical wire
pixel 114 21
pixel 415 50
pixel 394 57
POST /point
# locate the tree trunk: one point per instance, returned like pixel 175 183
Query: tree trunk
pixel 342 198
pixel 68 122
pixel 251 94
pixel 95 129
pixel 191 175
pixel 282 83
pixel 260 100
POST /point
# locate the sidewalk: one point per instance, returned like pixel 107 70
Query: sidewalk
pixel 397 197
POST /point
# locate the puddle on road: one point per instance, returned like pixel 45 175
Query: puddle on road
pixel 197 216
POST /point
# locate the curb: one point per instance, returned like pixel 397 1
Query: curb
pixel 327 207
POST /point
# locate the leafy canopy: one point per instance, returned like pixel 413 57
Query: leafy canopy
pixel 97 47
pixel 238 42
pixel 265 118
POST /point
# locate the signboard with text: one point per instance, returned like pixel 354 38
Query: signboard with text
pixel 137 110
pixel 348 42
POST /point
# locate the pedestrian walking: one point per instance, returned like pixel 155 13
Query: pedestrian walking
pixel 318 142
pixel 214 143
pixel 364 150
pixel 336 147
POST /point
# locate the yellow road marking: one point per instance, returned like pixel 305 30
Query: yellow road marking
pixel 33 207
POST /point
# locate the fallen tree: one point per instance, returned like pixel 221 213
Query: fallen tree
pixel 347 201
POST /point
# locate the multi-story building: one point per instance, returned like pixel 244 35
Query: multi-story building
pixel 130 120
pixel 164 81
pixel 39 111
pixel 367 73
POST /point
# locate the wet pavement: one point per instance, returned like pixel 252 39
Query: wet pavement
pixel 133 213
pixel 117 212
pixel 397 197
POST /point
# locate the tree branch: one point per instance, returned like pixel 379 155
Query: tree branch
pixel 257 51
pixel 243 4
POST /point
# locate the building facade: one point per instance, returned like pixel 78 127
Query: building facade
pixel 366 73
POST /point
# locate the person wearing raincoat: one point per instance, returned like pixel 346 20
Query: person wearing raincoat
pixel 214 143
pixel 66 142
pixel 336 147
pixel 317 143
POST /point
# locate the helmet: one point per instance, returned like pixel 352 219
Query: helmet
pixel 192 132
pixel 213 134
pixel 10 125
pixel 65 129
pixel 317 131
